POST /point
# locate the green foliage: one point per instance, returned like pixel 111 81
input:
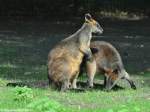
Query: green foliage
pixel 47 105
pixel 47 100
pixel 23 94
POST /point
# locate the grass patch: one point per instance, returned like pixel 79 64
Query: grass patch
pixel 97 101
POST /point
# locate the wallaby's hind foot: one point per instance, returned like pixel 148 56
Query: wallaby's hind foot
pixel 74 84
pixel 133 85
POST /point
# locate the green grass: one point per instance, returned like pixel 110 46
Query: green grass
pixel 125 100
pixel 99 101
pixel 23 62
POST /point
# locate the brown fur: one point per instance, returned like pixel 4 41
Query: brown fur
pixel 108 62
pixel 63 63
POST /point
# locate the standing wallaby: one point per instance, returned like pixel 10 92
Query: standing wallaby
pixel 108 61
pixel 65 58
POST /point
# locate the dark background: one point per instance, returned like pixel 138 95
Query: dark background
pixel 30 28
pixel 69 8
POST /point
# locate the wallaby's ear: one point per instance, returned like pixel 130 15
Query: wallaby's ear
pixel 88 17
pixel 94 50
pixel 115 71
pixel 107 70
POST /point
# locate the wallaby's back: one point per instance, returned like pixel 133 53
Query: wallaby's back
pixel 108 61
pixel 107 56
pixel 62 56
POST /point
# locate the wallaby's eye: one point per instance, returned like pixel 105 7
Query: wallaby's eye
pixel 88 16
pixel 115 71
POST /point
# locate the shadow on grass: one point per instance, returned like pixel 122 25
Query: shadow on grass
pixel 97 86
pixel 82 86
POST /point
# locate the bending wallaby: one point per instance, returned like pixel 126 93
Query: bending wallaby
pixel 107 60
pixel 65 58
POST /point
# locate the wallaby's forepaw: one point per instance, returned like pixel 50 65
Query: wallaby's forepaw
pixel 133 87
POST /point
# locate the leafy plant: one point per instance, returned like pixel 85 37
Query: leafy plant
pixel 47 105
pixel 23 93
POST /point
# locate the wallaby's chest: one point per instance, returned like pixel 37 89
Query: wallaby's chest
pixel 85 40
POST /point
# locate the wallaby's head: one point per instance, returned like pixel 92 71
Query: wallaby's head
pixel 95 26
pixel 113 74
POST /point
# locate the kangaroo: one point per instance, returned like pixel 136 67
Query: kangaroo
pixel 107 60
pixel 65 58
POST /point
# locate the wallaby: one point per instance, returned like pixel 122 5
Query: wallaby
pixel 65 58
pixel 107 60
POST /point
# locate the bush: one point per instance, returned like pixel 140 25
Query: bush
pixel 23 93
pixel 47 105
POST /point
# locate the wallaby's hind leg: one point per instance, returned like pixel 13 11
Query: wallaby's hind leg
pixel 49 80
pixel 74 81
pixel 127 77
pixel 65 85
pixel 105 81
pixel 74 84
pixel 52 84
pixel 91 70
pixel 131 83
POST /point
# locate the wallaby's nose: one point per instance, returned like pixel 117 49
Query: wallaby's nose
pixel 102 30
